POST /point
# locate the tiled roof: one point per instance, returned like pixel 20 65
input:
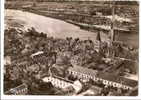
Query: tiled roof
pixel 83 70
pixel 118 79
pixel 129 82
pixel 21 89
pixel 105 76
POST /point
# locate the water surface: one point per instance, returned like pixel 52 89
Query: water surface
pixel 52 27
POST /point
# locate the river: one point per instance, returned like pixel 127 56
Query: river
pixel 58 28
pixel 52 27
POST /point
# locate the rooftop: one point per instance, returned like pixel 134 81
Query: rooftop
pixel 83 70
pixel 118 79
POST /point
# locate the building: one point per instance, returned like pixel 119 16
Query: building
pixel 58 82
pixel 81 72
pixel 7 60
pixel 108 79
pixel 92 91
pixel 19 90
pixel 64 84
pixel 37 53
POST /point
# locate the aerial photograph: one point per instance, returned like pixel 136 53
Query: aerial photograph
pixel 71 47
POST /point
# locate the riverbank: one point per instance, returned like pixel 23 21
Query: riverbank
pixel 50 26
pixel 69 11
pixel 131 39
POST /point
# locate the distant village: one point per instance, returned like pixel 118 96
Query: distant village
pixel 38 64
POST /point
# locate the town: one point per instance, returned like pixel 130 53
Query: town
pixel 37 63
